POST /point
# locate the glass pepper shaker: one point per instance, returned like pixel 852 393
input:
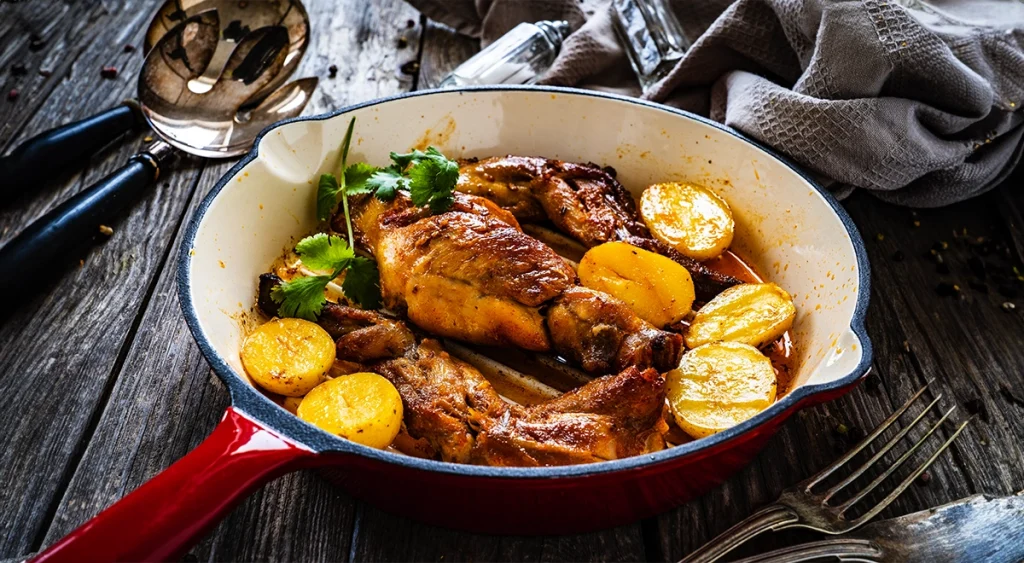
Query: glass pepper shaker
pixel 652 37
pixel 520 56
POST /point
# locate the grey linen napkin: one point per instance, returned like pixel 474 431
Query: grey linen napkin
pixel 918 109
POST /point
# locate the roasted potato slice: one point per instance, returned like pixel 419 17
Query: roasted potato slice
pixel 362 407
pixel 718 386
pixel 690 218
pixel 288 356
pixel 291 404
pixel 658 290
pixel 750 313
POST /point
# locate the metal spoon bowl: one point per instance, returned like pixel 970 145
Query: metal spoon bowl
pixel 58 151
pixel 210 124
pixel 237 19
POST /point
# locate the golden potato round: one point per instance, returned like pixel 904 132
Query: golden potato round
pixel 658 289
pixel 750 313
pixel 718 386
pixel 291 404
pixel 288 356
pixel 362 407
pixel 691 219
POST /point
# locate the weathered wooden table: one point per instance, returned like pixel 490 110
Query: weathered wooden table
pixel 105 386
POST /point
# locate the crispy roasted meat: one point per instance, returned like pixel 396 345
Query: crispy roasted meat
pixel 451 406
pixel 582 200
pixel 471 273
pixel 505 181
pixel 611 417
pixel 603 335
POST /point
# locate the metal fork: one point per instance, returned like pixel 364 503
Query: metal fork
pixel 839 549
pixel 800 507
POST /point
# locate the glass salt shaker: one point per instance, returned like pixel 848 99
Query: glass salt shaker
pixel 520 56
pixel 651 36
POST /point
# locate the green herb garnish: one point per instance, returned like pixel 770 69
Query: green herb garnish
pixel 329 187
pixel 430 179
pixel 304 297
pixel 429 176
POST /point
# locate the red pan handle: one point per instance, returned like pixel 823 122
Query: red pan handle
pixel 164 517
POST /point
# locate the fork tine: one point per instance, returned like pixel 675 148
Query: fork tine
pixel 910 478
pixel 881 452
pixel 821 475
pixel 896 465
pixel 846 549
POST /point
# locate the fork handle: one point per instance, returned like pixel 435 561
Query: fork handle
pixel 771 517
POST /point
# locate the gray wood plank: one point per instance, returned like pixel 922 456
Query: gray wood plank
pixel 1011 197
pixel 80 39
pixel 967 342
pixel 56 37
pixel 166 400
pixel 377 532
pixel 59 349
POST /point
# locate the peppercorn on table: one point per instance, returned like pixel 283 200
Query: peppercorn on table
pixel 105 386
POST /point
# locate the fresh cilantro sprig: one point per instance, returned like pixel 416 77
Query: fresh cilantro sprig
pixel 330 187
pixel 430 179
pixel 304 297
pixel 428 176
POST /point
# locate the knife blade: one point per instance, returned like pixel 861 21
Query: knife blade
pixel 978 528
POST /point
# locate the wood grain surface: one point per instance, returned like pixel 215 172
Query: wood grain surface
pixel 106 387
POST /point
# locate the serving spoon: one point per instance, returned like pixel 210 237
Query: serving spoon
pixel 237 18
pixel 54 152
pixel 209 125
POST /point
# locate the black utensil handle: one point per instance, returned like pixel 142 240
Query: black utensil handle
pixel 40 252
pixel 54 152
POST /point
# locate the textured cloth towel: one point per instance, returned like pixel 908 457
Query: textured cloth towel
pixel 917 108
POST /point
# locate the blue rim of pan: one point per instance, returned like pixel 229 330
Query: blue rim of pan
pixel 250 401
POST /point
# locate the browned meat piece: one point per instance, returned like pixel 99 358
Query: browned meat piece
pixel 469 273
pixel 363 336
pixel 370 214
pixel 472 274
pixel 446 401
pixel 611 417
pixel 582 200
pixel 506 182
pixel 266 304
pixel 603 335
pixel 455 410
